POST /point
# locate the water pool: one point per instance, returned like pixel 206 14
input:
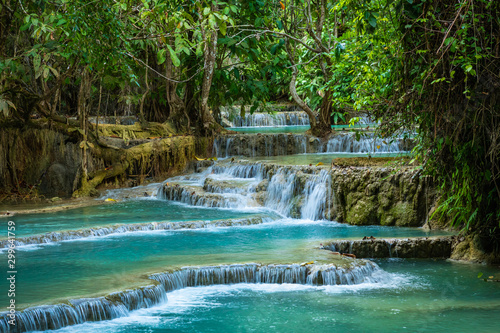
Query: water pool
pixel 420 296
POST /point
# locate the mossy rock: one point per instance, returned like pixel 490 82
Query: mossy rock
pixel 401 214
pixel 364 212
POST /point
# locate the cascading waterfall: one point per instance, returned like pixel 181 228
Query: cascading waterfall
pixel 264 145
pixel 239 170
pixel 286 118
pixel 191 196
pixel 281 192
pixel 291 191
pixel 253 145
pixel 317 194
pixel 285 194
pixel 50 317
pixel 118 229
pixel 366 144
pixel 311 274
pixel 215 188
pixel 120 304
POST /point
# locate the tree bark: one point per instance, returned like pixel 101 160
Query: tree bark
pixel 209 53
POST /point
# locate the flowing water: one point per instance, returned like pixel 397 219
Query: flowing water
pixel 418 296
pixel 292 128
pixel 126 212
pixel 214 252
pixel 313 159
pixel 253 145
pixel 112 263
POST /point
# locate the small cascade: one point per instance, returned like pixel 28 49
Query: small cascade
pixel 51 317
pixel 125 228
pixel 196 196
pixel 294 193
pixel 330 275
pixel 252 145
pixel 237 170
pixel 311 274
pixel 347 143
pixel 298 192
pixel 257 119
pixel 281 192
pixel 317 196
pixel 191 196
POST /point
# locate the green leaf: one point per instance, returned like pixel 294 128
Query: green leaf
pixel 46 72
pixel 14 107
pixel 54 71
pixel 372 20
pixel 36 62
pixel 206 11
pixel 173 56
pixel 223 28
pixel 161 56
pixel 212 22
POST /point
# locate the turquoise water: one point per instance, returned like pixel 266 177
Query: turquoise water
pixel 95 266
pixel 325 158
pixel 420 296
pixel 126 212
pixel 413 295
pixel 291 129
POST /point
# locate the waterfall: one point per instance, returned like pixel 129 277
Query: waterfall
pixel 120 304
pixel 252 145
pixel 317 192
pixel 299 192
pixel 368 143
pixel 281 190
pixel 265 144
pixel 286 118
pixel 287 195
pixel 239 170
pixel 125 228
pixel 51 317
pixel 311 274
pixel 191 195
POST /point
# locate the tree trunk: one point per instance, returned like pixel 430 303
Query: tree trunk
pixel 209 53
pixel 319 128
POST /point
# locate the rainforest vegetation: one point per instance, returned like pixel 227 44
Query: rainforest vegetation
pixel 425 66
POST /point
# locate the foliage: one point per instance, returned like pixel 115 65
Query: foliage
pixel 448 86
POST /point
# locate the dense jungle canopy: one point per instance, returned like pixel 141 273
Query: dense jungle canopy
pixel 430 66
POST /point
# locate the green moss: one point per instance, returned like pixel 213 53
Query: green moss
pixel 364 212
pixel 400 214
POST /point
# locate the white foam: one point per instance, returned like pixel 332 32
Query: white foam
pixel 186 300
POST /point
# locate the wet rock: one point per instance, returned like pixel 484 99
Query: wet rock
pixel 439 247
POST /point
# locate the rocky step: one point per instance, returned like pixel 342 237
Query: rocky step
pixel 120 304
pixel 421 247
pixel 251 145
pixel 65 235
pixel 197 196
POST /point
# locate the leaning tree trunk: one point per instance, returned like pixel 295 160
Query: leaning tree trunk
pixel 209 125
pixel 319 128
